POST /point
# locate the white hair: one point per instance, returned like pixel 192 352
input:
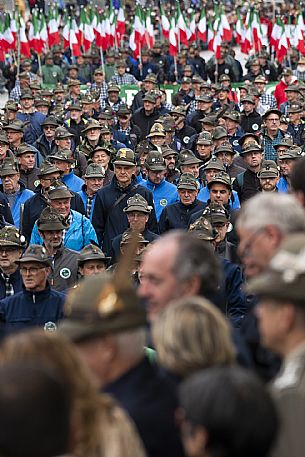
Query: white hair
pixel 280 210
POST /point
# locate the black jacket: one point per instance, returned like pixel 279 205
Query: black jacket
pixel 5 211
pixel 115 250
pixel 44 147
pixel 250 185
pixel 151 402
pixel 64 269
pixel 177 215
pixel 15 280
pixel 34 206
pixel 144 122
pixel 185 134
pixel 108 217
pixel 251 123
pixel 29 178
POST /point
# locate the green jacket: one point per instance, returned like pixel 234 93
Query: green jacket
pixel 52 74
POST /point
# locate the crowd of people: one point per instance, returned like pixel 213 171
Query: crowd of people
pixel 157 248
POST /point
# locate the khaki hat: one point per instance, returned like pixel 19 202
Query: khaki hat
pixel 233 116
pixel 251 147
pixel 123 110
pixel 74 82
pixel 216 213
pixel 92 124
pixel 137 203
pixel 247 138
pixel 214 164
pixel 221 178
pixel 50 120
pixel 293 88
pixel 91 252
pixel 16 126
pixel 295 108
pixel 10 237
pixel 211 119
pixel 224 78
pixel 156 130
pixel 260 79
pixel 8 167
pixel 294 152
pixel 268 169
pixel 187 157
pixel 113 88
pixel 10 105
pixel 219 132
pixel 248 99
pixel 155 161
pixel 287 71
pixel 127 237
pixel 224 148
pixel 106 149
pixel 41 102
pixel 202 228
pixel 149 97
pixel 59 190
pixel 178 111
pixel 94 170
pixel 167 151
pixel 61 133
pixel 272 111
pixel 75 106
pixel 205 138
pixel 65 155
pixel 125 156
pixel 284 278
pixel 35 253
pixel 286 141
pixel 99 71
pixel 187 181
pixel 24 75
pixel 186 79
pixel 50 219
pixel 46 168
pixel 26 94
pixel 205 98
pixel 100 306
pixel 3 137
pixel 86 99
pixel 152 78
pixel 25 149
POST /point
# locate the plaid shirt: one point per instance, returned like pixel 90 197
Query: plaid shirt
pixel 268 99
pixel 115 106
pixel 299 74
pixel 193 106
pixel 127 78
pixel 9 289
pixel 89 206
pixel 16 92
pixel 268 143
pixel 103 89
pixel 126 131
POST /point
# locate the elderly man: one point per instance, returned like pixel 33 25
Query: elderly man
pixel 37 304
pixel 63 159
pixel 79 232
pixel 26 160
pixel 92 261
pixel 46 142
pixel 118 329
pixel 108 217
pixel 281 320
pixel 94 180
pixel 246 183
pixel 51 226
pixel 31 118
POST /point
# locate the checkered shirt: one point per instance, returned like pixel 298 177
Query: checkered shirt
pixel 268 99
pixel 103 90
pixel 127 78
pixel 299 74
pixel 89 206
pixel 268 143
pixel 114 107
pixel 9 289
pixel 16 92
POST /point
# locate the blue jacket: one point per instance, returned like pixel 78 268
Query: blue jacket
pixel 164 194
pixel 79 234
pixel 204 196
pixel 26 309
pixel 283 185
pixel 116 244
pixel 83 196
pixel 73 182
pixel 33 130
pixel 34 206
pixel 177 215
pixel 22 196
pixel 108 217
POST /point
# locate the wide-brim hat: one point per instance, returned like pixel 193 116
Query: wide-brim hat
pixel 137 207
pixel 272 111
pixel 52 225
pixel 37 254
pixel 264 174
pixel 59 192
pixel 92 125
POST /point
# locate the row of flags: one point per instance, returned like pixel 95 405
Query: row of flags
pixel 108 31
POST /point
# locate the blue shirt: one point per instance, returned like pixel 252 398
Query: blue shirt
pixel 164 194
pixel 204 196
pixel 283 185
pixel 73 182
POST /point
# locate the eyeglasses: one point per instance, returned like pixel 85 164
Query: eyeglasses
pixel 49 127
pixel 273 120
pixel 30 270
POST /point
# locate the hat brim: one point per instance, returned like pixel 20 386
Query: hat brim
pixel 5 243
pixel 139 209
pixel 29 259
pixel 93 257
pixel 186 187
pixel 55 195
pixel 126 163
pixel 267 175
pixel 155 167
pixel 51 226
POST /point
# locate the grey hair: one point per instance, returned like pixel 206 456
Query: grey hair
pixel 131 343
pixel 280 210
pixel 194 257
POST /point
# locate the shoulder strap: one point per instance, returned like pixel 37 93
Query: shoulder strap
pixel 118 201
pixel 240 179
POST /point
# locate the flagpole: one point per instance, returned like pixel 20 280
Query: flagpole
pixel 176 68
pixel 102 60
pixel 140 60
pixel 18 50
pixel 39 67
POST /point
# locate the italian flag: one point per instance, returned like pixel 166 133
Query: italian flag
pixel 149 30
pixel 225 29
pixel 276 34
pixel 70 39
pixel 173 39
pixel 88 33
pixel 192 29
pixel 34 35
pixel 202 27
pixel 256 33
pixel 120 23
pixel 24 44
pixel 239 30
pixel 299 34
pixel 182 29
pixel 53 33
pixel 134 45
pixel 283 46
pixel 210 36
pixel 165 24
pixel 43 31
pixel 139 27
pixel 7 37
